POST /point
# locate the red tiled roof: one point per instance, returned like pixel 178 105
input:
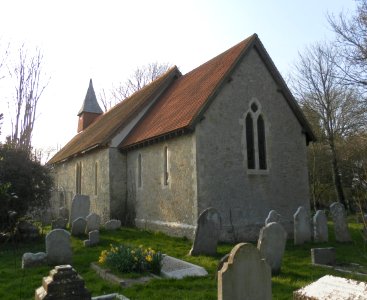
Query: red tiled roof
pixel 187 97
pixel 101 131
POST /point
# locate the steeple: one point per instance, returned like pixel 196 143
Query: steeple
pixel 90 109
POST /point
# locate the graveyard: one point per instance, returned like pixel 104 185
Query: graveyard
pixel 296 268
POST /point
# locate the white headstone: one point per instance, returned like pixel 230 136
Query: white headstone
pixel 340 224
pixel 302 228
pixel 320 229
pixel 79 207
pixel 58 247
pixel 78 226
pixel 273 216
pixel 207 233
pixel 271 244
pixel 93 222
pixel 245 275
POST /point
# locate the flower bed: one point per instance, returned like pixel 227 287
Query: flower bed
pixel 126 259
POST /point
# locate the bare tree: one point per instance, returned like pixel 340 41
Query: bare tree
pixel 27 76
pixel 141 77
pixel 319 87
pixel 351 33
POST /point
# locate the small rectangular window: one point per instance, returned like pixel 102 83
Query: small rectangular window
pixel 165 167
pixel 139 171
pixel 96 178
pixel 78 178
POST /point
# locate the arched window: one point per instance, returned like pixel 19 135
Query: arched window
pixel 261 142
pixel 78 178
pixel 255 131
pixel 165 166
pixel 250 142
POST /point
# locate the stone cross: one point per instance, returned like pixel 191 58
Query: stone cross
pixel 320 229
pixel 207 233
pixel 58 247
pixel 79 207
pixel 271 245
pixel 340 224
pixel 245 275
pixel 302 228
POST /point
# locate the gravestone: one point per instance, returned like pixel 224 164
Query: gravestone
pixel 63 282
pixel 58 247
pixel 207 233
pixel 78 226
pixel 93 222
pixel 79 207
pixel 245 275
pixel 273 216
pixel 59 223
pixel 64 213
pixel 332 287
pixel 112 224
pixel 302 228
pixel 271 245
pixel 320 229
pixel 340 224
pixel 93 238
pixel 33 259
pixel 323 256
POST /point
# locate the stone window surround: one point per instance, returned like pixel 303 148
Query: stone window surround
pixel 139 172
pixel 166 180
pixel 255 115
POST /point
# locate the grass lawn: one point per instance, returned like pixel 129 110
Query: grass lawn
pixel 297 270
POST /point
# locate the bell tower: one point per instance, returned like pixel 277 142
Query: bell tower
pixel 90 109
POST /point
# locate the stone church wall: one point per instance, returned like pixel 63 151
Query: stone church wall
pixel 98 190
pixel 244 197
pixel 170 208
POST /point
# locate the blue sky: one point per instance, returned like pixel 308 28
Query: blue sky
pixel 107 40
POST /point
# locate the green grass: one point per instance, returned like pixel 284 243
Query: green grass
pixel 297 270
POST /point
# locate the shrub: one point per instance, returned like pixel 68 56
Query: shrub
pixel 25 180
pixel 126 259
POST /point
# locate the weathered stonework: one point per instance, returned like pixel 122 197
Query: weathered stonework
pixel 242 197
pixel 169 208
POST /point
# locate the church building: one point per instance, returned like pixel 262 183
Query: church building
pixel 228 135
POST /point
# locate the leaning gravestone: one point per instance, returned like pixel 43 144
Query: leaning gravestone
pixel 112 224
pixel 79 207
pixel 340 224
pixel 271 245
pixel 320 229
pixel 93 222
pixel 245 275
pixel 78 226
pixel 207 233
pixel 273 216
pixel 63 282
pixel 302 228
pixel 58 247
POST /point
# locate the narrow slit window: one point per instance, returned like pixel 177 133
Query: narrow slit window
pixel 250 142
pixel 96 178
pixel 261 142
pixel 78 178
pixel 165 167
pixel 139 171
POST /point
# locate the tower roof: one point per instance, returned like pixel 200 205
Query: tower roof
pixel 90 103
